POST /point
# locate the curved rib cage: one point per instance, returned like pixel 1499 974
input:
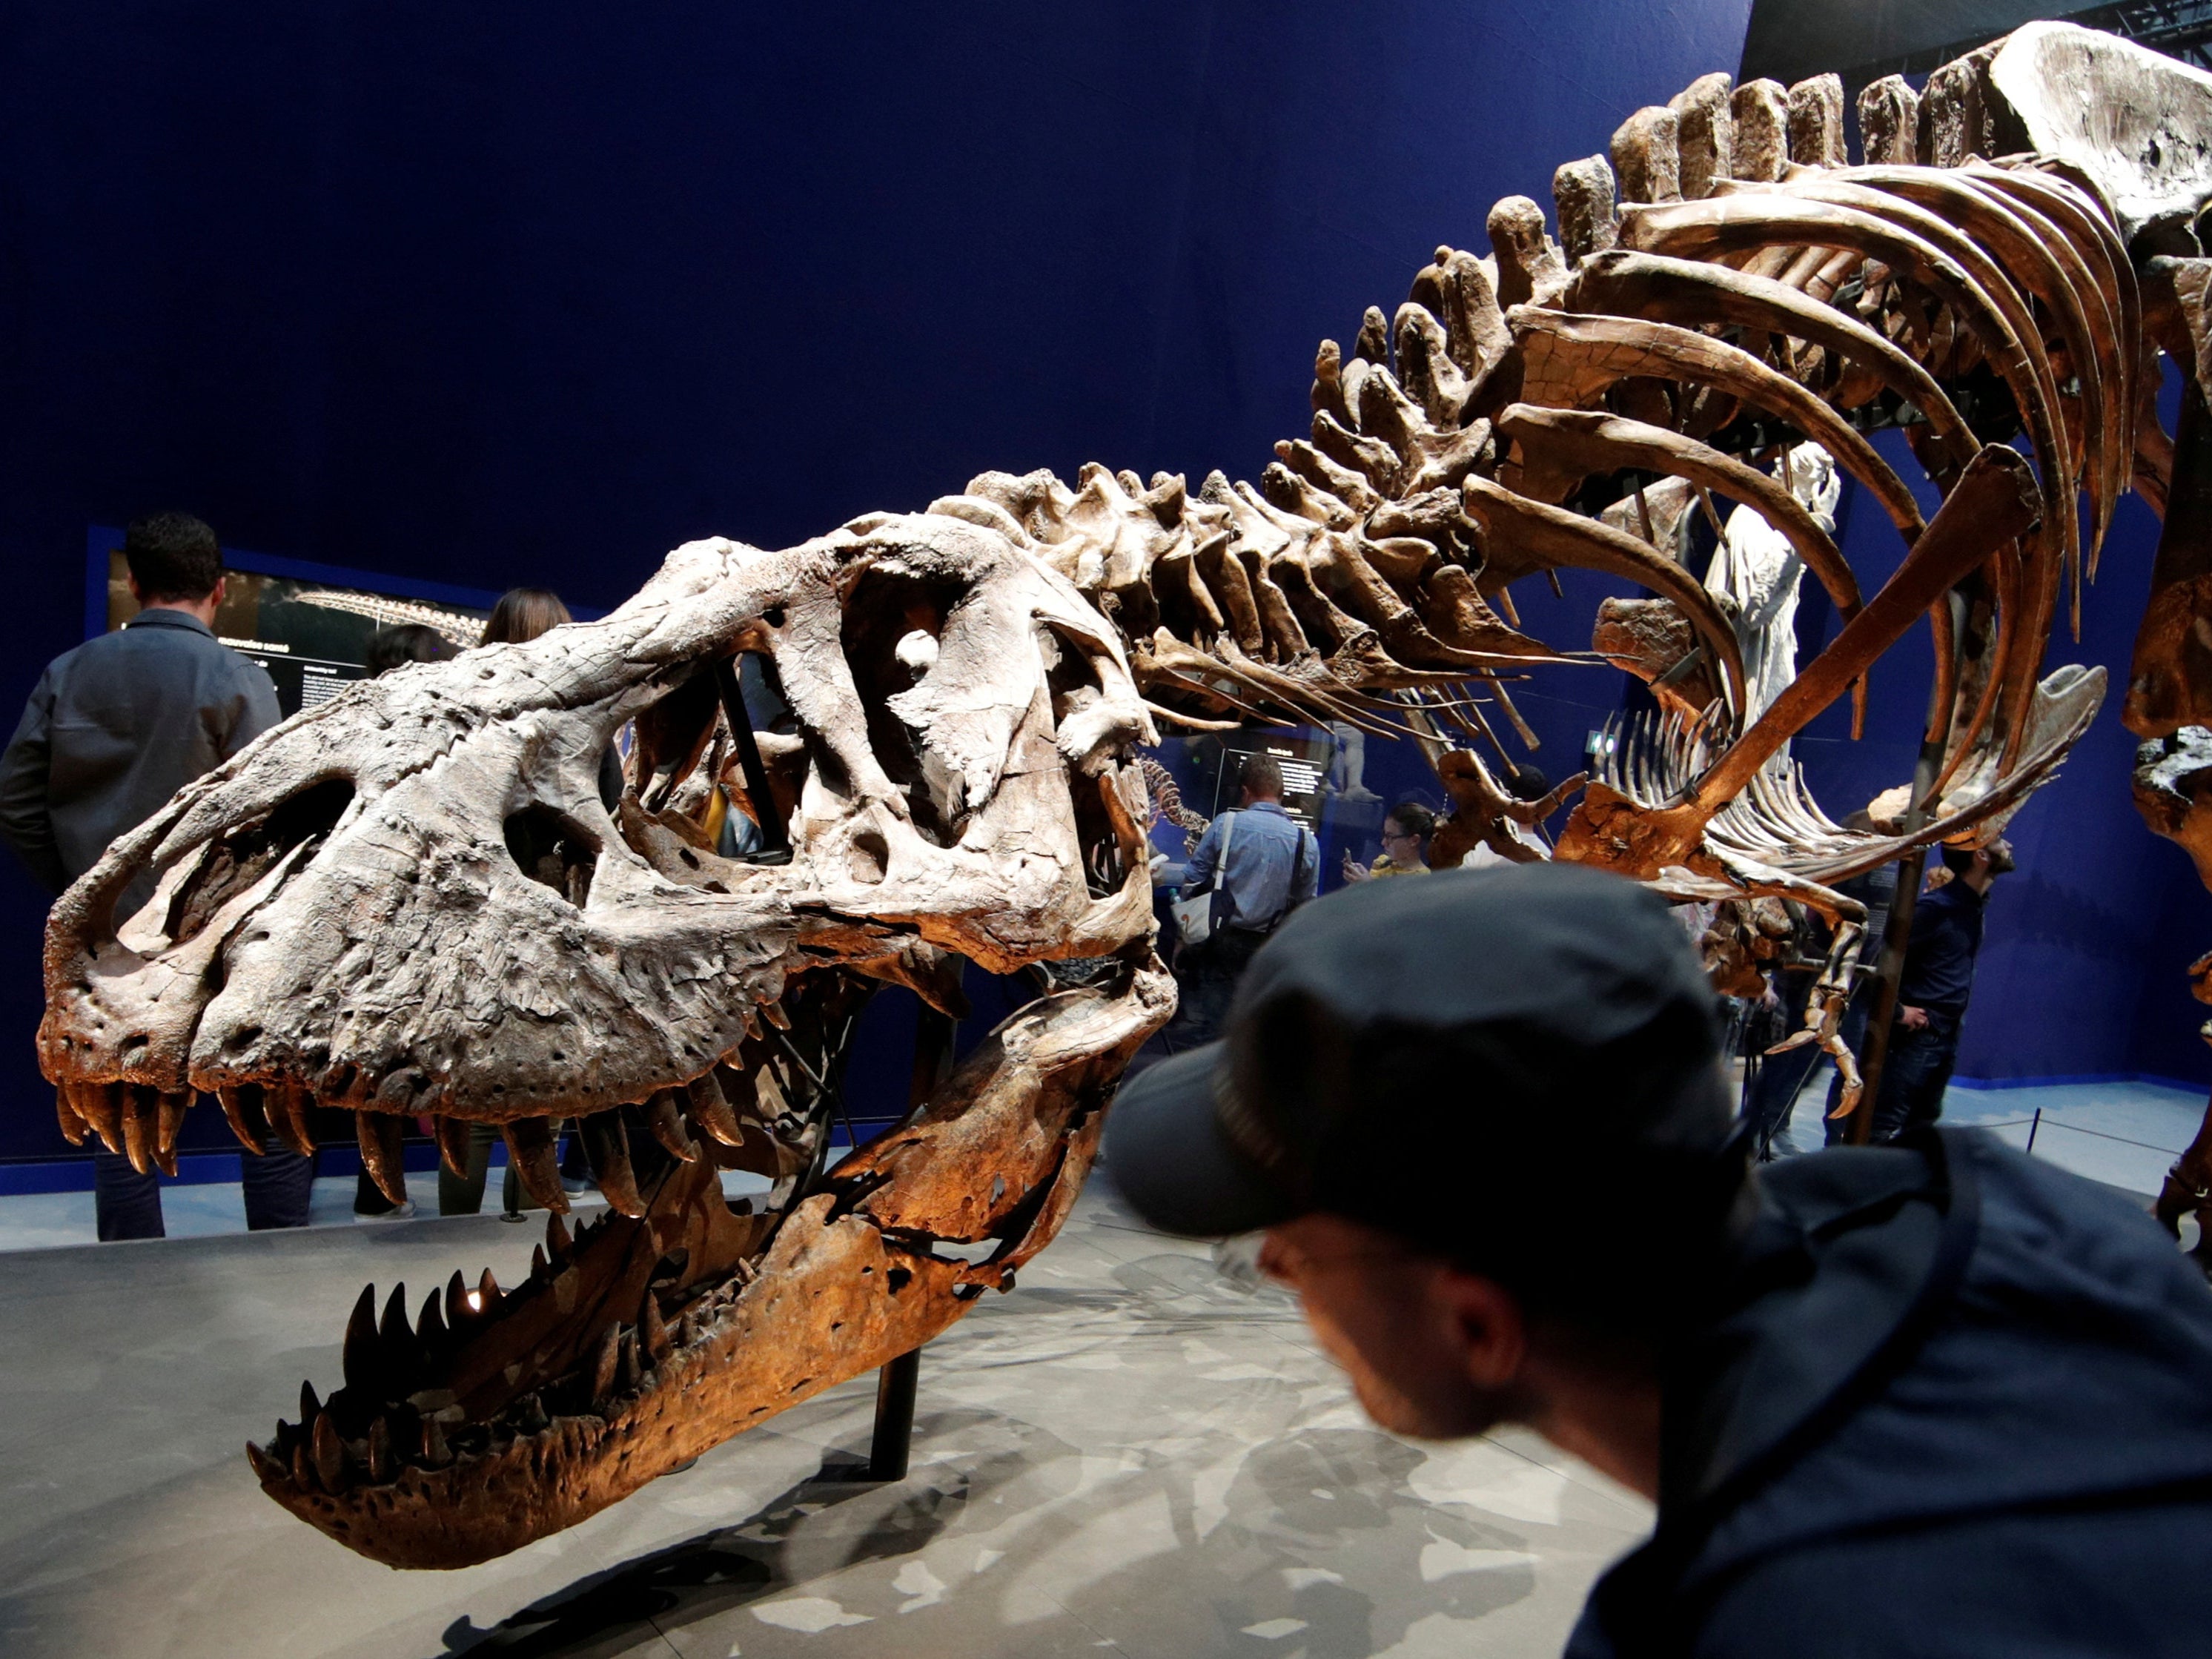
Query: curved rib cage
pixel 410 901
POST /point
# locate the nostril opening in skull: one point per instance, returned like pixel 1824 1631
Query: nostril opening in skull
pixel 554 850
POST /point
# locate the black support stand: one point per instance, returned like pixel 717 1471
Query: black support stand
pixel 895 1383
pixel 894 1435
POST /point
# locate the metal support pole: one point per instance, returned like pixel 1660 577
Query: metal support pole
pixel 896 1383
pixel 776 845
pixel 894 1435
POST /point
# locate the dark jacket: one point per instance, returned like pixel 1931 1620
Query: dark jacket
pixel 117 726
pixel 1939 959
pixel 1965 1413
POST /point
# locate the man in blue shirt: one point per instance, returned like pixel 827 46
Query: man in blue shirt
pixel 1932 992
pixel 1273 866
pixel 112 730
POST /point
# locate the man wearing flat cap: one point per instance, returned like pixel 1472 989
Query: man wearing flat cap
pixel 1928 1398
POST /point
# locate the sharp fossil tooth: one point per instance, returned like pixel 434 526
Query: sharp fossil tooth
pixel 712 1112
pixel 453 1137
pixel 430 1327
pixel 558 1245
pixel 751 1021
pixel 607 1144
pixel 776 1017
pixel 100 1105
pixel 171 1123
pixel 363 1371
pixel 665 1117
pixel 603 1366
pixel 285 1103
pixel 303 1477
pixel 538 1269
pixel 627 1370
pixel 530 1148
pixel 687 1328
pixel 401 1354
pixel 233 1113
pixel 382 1153
pixel 379 1452
pixel 141 1109
pixel 266 1469
pixel 652 1330
pixel 310 1407
pixel 73 1128
pixel 456 1300
pixel 435 1453
pixel 330 1455
pixel 487 1291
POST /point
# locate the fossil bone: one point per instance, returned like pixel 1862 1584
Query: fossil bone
pixel 409 900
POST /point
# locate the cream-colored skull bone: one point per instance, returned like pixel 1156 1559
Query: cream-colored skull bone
pixel 398 955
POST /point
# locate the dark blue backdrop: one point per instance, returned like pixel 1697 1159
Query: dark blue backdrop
pixel 505 293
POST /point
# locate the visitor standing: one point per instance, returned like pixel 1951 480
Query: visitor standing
pixel 1272 866
pixel 1932 992
pixel 1928 1398
pixel 113 729
pixel 1405 831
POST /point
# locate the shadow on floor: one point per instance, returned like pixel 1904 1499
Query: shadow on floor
pixel 610 1613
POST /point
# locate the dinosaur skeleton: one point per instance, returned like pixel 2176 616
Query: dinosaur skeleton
pixel 409 901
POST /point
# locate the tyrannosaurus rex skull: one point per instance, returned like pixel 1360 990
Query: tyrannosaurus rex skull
pixel 411 900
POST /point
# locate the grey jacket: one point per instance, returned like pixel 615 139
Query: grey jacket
pixel 116 727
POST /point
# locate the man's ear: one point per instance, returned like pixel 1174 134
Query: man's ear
pixel 136 597
pixel 222 586
pixel 1487 1324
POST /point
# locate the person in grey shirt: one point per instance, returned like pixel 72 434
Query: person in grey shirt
pixel 114 728
pixel 1273 866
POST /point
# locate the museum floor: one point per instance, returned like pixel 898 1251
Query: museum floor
pixel 1129 1453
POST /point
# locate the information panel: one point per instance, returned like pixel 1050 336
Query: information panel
pixel 306 626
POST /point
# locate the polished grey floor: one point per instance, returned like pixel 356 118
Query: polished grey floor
pixel 1128 1454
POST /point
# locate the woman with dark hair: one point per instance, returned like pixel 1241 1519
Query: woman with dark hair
pixel 1405 831
pixel 522 614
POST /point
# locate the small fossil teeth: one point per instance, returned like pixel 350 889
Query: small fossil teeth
pixel 536 1165
pixel 73 1128
pixel 329 1454
pixel 383 1152
pixel 652 1330
pixel 100 1105
pixel 711 1111
pixel 360 1356
pixel 775 1015
pixel 232 1100
pixel 379 1452
pixel 141 1109
pixel 435 1453
pixel 170 1123
pixel 453 1137
pixel 607 1144
pixel 559 1247
pixel 266 1469
pixel 430 1325
pixel 603 1365
pixel 664 1116
pixel 285 1103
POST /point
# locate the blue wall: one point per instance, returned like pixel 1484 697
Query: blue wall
pixel 502 293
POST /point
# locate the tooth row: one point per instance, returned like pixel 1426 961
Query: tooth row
pixel 428 1429
pixel 143 1123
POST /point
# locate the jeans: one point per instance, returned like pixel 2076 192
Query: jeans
pixel 1914 1074
pixel 1781 1076
pixel 127 1205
